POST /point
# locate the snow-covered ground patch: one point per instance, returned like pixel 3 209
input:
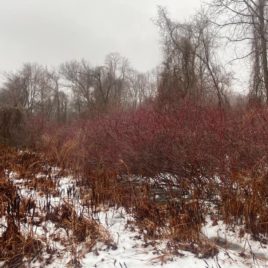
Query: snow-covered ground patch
pixel 121 244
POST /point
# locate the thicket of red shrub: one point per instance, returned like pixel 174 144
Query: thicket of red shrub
pixel 211 154
pixel 188 141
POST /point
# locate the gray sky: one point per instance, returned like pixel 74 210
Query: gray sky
pixel 53 31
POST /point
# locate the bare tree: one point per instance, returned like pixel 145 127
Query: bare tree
pixel 142 86
pixel 23 88
pixel 190 67
pixel 80 78
pixel 59 98
pixel 246 22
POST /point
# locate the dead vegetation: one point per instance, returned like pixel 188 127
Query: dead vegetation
pixel 17 246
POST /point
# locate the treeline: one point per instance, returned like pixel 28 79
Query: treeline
pixel 76 89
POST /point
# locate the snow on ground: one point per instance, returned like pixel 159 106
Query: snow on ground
pixel 129 249
pixel 131 252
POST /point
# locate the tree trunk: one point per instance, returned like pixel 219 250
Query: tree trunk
pixel 263 45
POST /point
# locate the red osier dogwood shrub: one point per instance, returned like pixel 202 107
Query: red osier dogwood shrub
pixel 209 152
pixel 188 141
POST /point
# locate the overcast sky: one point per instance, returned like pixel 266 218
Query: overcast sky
pixel 53 31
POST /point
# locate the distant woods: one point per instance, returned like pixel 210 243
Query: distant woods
pixel 75 88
